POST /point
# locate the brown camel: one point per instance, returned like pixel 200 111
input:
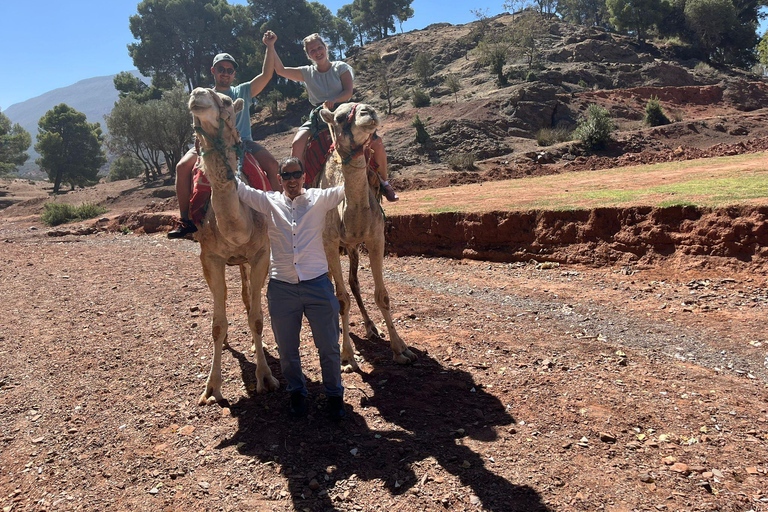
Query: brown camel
pixel 358 219
pixel 230 234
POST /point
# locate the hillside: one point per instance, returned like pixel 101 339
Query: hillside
pixel 577 66
pixel 497 126
pixel 94 97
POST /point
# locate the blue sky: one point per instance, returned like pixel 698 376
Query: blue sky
pixel 47 44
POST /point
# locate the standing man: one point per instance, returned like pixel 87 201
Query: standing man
pixel 298 280
pixel 223 71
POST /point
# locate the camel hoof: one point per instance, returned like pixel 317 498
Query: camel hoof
pixel 266 384
pixel 351 367
pixel 406 357
pixel 209 398
pixel 372 332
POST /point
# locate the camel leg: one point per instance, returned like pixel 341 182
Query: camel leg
pixel 245 290
pixel 348 363
pixel 213 270
pixel 401 353
pixel 354 284
pixel 264 379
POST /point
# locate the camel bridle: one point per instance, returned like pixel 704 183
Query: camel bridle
pixel 216 144
pixel 347 130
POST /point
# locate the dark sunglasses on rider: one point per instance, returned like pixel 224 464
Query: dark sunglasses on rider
pixel 226 71
pixel 292 175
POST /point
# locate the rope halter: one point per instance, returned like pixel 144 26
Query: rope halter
pixel 356 151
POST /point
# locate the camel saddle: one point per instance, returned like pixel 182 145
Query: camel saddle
pixel 252 174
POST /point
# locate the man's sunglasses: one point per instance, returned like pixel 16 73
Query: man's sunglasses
pixel 226 71
pixel 292 175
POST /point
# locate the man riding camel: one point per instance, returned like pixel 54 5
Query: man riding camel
pixel 223 71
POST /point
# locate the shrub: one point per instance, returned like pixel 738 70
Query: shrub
pixel 530 77
pixel 595 129
pixel 420 98
pixel 422 137
pixel 125 167
pixel 705 69
pixel 462 161
pixel 583 84
pixel 60 213
pixel 423 67
pixel 654 114
pixel 89 211
pixel 549 136
pixel 453 84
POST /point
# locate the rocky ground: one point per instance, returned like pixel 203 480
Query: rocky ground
pixel 608 374
pixel 538 387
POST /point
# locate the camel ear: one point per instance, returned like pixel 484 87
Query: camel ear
pixel 327 116
pixel 238 104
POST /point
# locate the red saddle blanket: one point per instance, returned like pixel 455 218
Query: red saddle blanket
pixel 317 152
pixel 201 187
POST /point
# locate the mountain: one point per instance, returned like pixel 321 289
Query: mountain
pixel 94 97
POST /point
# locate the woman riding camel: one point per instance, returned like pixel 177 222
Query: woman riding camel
pixel 328 84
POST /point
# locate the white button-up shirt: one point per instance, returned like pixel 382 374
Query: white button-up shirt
pixel 295 229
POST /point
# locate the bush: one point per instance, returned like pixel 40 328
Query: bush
pixel 423 67
pixel 705 69
pixel 420 98
pixel 125 167
pixel 583 84
pixel 549 136
pixel 595 129
pixel 60 213
pixel 530 77
pixel 654 114
pixel 462 161
pixel 422 137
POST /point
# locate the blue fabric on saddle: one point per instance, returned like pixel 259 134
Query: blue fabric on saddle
pixel 201 188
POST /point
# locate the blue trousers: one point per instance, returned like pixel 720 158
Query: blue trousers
pixel 287 304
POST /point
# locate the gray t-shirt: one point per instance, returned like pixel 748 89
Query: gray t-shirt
pixel 322 87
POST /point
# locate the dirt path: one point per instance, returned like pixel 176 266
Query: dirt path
pixel 563 388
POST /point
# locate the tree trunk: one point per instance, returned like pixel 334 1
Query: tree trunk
pixel 57 183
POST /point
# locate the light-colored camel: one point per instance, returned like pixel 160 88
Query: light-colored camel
pixel 231 234
pixel 358 219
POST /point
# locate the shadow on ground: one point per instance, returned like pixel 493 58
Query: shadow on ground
pixel 425 411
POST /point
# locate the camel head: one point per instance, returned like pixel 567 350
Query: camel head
pixel 351 124
pixel 209 107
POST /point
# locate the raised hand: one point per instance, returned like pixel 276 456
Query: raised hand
pixel 269 38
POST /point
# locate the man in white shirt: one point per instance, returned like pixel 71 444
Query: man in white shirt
pixel 298 280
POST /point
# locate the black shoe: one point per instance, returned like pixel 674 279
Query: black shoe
pixel 182 229
pixel 389 192
pixel 298 405
pixel 336 408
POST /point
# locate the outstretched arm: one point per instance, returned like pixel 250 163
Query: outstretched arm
pixel 289 73
pixel 268 66
pixel 255 198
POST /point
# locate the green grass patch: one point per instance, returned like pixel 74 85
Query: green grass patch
pixel 60 213
pixel 445 209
